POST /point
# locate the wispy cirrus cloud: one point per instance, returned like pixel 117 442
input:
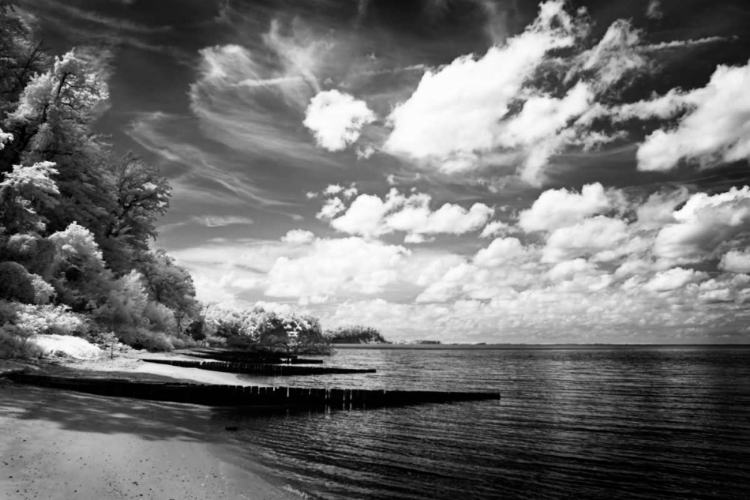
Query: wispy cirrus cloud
pixel 201 175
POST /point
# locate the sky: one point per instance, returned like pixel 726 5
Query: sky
pixel 456 170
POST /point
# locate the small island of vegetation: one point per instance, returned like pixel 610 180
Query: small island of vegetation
pixel 356 334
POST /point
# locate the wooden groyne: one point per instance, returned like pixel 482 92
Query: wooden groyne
pixel 259 368
pixel 253 357
pixel 227 395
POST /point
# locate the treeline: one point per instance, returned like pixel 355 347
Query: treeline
pixel 355 334
pixel 76 219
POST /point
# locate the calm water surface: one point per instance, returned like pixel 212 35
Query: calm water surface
pixel 572 423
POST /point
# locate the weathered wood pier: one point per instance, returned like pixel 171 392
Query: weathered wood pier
pixel 226 395
pixel 259 368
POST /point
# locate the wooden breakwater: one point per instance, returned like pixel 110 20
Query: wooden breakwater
pixel 227 395
pixel 260 368
pixel 253 357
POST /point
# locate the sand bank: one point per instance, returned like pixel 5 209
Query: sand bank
pixel 125 366
pixel 63 445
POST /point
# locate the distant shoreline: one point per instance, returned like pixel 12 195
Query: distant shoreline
pixel 536 347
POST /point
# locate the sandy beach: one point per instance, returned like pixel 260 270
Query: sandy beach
pixel 62 445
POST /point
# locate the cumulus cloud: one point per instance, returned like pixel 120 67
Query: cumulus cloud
pixel 331 208
pixel 371 216
pixel 298 237
pixel 598 267
pixel 556 208
pixel 585 239
pixel 334 189
pixel 714 130
pixel 736 261
pixel 476 112
pixel 501 250
pixel 336 119
pixel 348 265
pixel 673 279
pixel 495 228
pixel 705 225
pixel 452 117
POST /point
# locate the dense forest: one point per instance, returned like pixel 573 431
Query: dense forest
pixel 77 220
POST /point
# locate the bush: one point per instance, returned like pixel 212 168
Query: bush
pixel 141 338
pixel 8 312
pixel 43 291
pixel 14 343
pixel 37 320
pixel 16 283
pixel 182 342
pixel 125 305
pixel 161 317
pixel 214 341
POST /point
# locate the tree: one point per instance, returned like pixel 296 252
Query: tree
pixel 21 56
pixel 80 275
pixel 355 334
pixel 141 196
pixel 293 333
pixel 56 108
pixel 52 122
pixel 24 193
pixel 171 285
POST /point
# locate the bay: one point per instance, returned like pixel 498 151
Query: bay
pixel 594 422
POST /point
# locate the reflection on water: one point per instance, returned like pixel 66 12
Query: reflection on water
pixel 572 423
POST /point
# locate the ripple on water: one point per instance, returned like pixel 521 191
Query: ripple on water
pixel 572 423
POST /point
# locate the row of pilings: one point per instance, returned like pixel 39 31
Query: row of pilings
pixel 259 368
pixel 228 395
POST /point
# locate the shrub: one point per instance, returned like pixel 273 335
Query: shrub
pixel 8 312
pixel 14 343
pixel 37 320
pixel 141 338
pixel 214 341
pixel 125 304
pixel 182 342
pixel 43 291
pixel 161 317
pixel 15 283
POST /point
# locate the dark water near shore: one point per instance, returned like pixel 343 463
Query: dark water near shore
pixel 572 423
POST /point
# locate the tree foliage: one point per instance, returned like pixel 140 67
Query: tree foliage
pixel 269 330
pixel 24 192
pixel 355 334
pixel 170 284
pixel 16 283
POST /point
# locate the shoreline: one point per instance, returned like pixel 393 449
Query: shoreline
pixel 62 444
pixel 59 444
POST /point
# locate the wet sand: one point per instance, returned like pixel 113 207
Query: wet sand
pixel 61 445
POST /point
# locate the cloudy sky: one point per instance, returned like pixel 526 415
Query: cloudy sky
pixel 463 170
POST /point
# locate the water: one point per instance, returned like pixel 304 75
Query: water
pixel 572 423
